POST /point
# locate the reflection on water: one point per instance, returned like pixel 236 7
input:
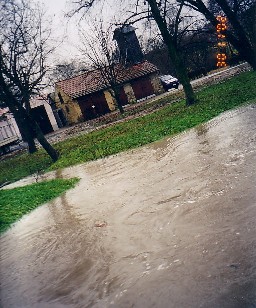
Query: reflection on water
pixel 168 225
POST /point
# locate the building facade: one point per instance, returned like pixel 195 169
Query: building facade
pixel 88 95
pixel 43 114
pixel 40 110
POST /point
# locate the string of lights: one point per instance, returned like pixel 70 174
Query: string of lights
pixel 221 41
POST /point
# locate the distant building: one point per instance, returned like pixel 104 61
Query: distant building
pixel 88 95
pixel 9 132
pixel 6 116
pixel 128 44
pixel 43 114
pixel 40 110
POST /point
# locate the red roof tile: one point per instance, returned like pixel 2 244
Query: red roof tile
pixel 93 81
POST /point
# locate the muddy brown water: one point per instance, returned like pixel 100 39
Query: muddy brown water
pixel 171 224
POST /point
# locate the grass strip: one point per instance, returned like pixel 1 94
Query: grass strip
pixel 16 202
pixel 169 120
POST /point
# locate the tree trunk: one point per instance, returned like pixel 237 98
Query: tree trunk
pixel 41 138
pixel 27 132
pixel 43 141
pixel 24 128
pixel 246 51
pixel 30 128
pixel 245 47
pixel 174 55
pixel 37 130
pixel 116 91
pixel 239 39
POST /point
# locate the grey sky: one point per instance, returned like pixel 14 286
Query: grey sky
pixel 66 31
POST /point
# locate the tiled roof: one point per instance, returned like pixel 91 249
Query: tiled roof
pixel 92 81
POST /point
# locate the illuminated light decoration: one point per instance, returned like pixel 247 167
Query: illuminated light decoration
pixel 221 56
pixel 221 60
pixel 221 64
pixel 221 19
pixel 222 44
pixel 220 28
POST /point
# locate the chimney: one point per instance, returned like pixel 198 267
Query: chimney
pixel 128 44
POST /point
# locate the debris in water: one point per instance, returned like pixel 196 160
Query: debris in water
pixel 161 267
pixel 235 266
pixel 100 224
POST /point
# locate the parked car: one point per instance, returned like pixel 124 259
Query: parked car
pixel 169 82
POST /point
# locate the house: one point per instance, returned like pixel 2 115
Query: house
pixel 88 95
pixel 40 110
pixel 9 132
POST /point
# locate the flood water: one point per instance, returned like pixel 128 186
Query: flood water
pixel 171 224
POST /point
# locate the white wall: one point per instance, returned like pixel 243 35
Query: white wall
pixel 48 109
pixel 14 130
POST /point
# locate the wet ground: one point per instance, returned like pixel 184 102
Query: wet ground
pixel 171 224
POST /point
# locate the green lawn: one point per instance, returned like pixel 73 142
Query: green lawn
pixel 168 121
pixel 16 202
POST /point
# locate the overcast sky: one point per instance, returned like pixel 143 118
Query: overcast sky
pixel 67 30
pixel 64 31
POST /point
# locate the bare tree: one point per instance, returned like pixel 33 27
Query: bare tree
pixel 157 12
pixel 23 54
pixel 67 69
pixel 237 34
pixel 100 50
pixel 241 33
